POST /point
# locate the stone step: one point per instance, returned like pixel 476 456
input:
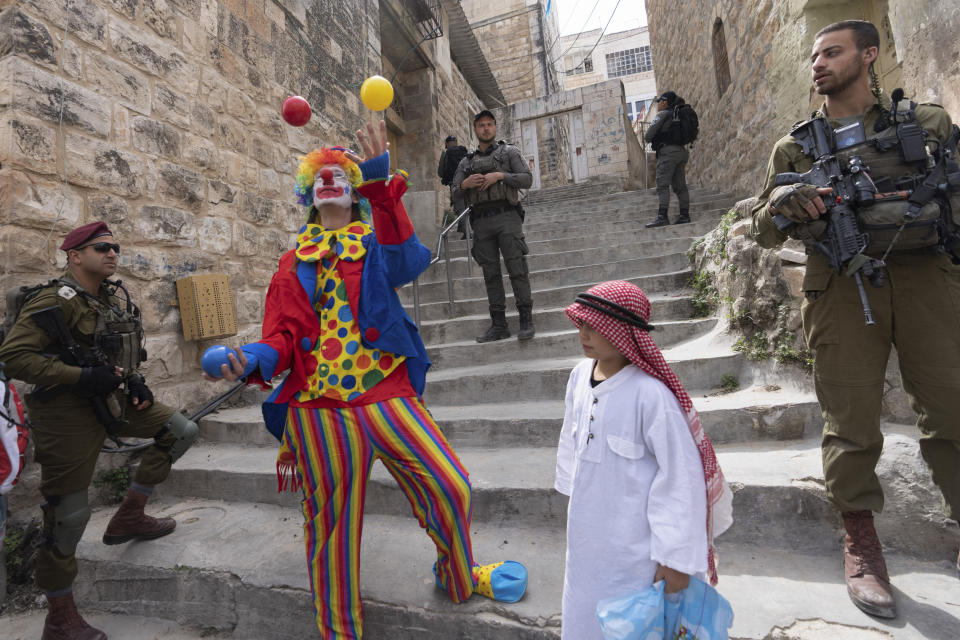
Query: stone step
pixel 663 309
pixel 546 379
pixel 580 255
pixel 29 626
pixel 577 212
pixel 599 270
pixel 605 199
pixel 779 500
pixel 747 415
pixel 549 241
pixel 237 571
pixel 240 567
pixel 547 343
pixel 475 303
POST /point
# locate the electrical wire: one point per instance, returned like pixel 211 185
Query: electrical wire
pixel 534 69
pixel 62 140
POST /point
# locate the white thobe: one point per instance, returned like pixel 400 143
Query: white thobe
pixel 637 492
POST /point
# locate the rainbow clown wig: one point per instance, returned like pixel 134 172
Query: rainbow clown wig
pixel 311 164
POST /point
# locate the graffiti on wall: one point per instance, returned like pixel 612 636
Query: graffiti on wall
pixel 608 130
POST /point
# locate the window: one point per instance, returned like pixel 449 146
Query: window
pixel 628 62
pixel 576 65
pixel 721 63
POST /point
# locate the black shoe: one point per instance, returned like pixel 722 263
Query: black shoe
pixel 526 325
pixel 493 333
pixel 683 218
pixel 661 221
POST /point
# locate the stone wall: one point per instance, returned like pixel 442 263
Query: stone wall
pixel 171 133
pixel 768 45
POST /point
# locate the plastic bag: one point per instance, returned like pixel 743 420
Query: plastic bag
pixel 696 613
pixel 700 613
pixel 636 616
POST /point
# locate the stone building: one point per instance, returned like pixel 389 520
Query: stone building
pixel 162 118
pixel 589 57
pixel 745 67
pixel 521 40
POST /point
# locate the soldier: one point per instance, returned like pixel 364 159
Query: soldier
pixel 672 155
pixel 489 180
pixel 916 307
pixel 78 340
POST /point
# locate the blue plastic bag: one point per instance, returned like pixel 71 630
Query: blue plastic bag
pixel 696 613
pixel 636 616
pixel 700 613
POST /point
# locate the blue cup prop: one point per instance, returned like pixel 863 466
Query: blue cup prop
pixel 214 357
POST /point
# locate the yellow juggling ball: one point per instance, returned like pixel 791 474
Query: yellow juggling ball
pixel 377 93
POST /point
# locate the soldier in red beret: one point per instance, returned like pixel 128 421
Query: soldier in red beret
pixel 79 340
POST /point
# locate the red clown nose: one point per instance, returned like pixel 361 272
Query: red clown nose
pixel 326 175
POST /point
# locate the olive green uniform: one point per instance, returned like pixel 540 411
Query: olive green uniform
pixel 498 227
pixel 671 163
pixel 917 309
pixel 66 433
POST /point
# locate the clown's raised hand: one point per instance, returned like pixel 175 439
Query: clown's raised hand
pixel 373 143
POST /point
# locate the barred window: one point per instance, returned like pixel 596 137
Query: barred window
pixel 583 65
pixel 628 62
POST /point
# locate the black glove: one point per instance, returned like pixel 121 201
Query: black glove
pixel 98 381
pixel 139 392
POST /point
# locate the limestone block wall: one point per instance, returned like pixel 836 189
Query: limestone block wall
pixel 768 46
pixel 171 133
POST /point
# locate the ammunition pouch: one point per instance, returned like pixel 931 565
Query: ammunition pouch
pixel 498 194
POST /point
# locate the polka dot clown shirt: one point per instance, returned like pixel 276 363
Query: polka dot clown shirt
pixel 340 367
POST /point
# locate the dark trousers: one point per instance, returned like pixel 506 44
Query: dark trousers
pixel 68 438
pixel 918 310
pixel 671 174
pixel 497 234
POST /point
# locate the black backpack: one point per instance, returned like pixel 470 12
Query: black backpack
pixel 685 126
pixel 451 160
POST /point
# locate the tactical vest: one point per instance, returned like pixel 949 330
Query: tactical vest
pixel 498 194
pixel 896 172
pixel 118 333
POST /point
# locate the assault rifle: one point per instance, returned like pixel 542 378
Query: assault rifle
pixel 844 243
pixel 106 408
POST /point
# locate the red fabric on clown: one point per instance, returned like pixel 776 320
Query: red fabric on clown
pixel 356 368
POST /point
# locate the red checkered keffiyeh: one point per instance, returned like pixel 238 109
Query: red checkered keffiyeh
pixel 616 309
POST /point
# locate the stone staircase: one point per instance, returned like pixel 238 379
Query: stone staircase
pixel 235 565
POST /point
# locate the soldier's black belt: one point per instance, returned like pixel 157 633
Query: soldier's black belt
pixel 492 211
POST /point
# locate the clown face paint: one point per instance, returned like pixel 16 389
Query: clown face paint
pixel 332 186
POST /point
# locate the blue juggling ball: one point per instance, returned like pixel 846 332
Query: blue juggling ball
pixel 214 357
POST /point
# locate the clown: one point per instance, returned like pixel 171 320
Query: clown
pixel 356 371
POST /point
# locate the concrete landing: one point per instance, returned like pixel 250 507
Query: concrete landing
pixel 216 571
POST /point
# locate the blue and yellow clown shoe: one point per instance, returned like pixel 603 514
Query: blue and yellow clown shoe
pixel 501 581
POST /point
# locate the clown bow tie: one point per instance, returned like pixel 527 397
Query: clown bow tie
pixel 314 242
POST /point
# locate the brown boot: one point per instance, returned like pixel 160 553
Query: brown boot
pixel 868 583
pixel 130 522
pixel 64 622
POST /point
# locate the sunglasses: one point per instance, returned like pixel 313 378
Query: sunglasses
pixel 102 247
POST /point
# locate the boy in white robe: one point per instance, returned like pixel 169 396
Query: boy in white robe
pixel 646 492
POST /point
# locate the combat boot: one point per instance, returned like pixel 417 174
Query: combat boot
pixel 526 324
pixel 661 221
pixel 130 522
pixel 683 218
pixel 865 571
pixel 498 330
pixel 64 622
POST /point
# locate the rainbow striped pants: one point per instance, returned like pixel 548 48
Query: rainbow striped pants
pixel 334 450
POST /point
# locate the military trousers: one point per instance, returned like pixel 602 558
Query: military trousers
pixel 671 174
pixel 67 438
pixel 498 234
pixel 918 311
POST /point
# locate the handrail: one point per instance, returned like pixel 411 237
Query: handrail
pixel 444 245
